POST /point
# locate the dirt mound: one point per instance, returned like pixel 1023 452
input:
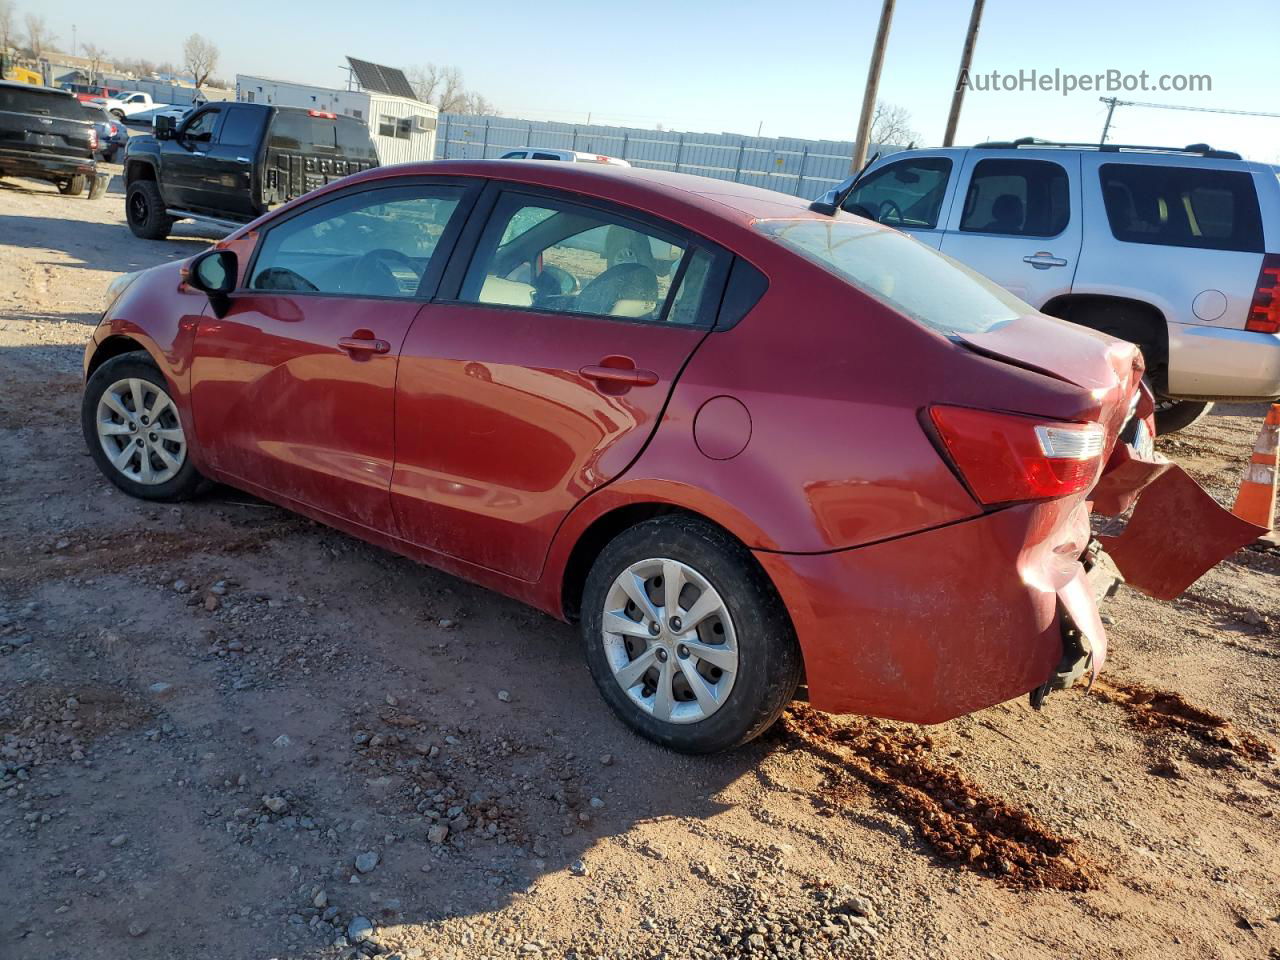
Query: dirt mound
pixel 956 819
pixel 1151 709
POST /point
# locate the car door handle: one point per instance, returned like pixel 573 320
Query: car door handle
pixel 362 345
pixel 243 160
pixel 623 376
pixel 1044 260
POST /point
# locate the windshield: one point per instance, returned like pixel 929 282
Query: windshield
pixel 914 279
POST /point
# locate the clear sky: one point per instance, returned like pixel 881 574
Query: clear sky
pixel 728 65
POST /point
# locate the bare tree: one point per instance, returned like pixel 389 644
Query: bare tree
pixel 95 55
pixel 444 86
pixel 891 124
pixel 201 58
pixel 8 25
pixel 38 36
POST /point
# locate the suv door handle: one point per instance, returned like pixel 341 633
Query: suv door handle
pixel 362 345
pixel 627 376
pixel 1044 260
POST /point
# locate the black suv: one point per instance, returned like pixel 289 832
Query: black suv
pixel 46 135
pixel 229 163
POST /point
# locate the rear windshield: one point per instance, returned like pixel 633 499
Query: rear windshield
pixel 60 105
pixel 1182 206
pixel 298 131
pixel 910 277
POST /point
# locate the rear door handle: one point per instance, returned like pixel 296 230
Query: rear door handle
pixel 625 376
pixel 363 345
pixel 1044 260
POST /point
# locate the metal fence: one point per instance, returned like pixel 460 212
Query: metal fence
pixel 804 168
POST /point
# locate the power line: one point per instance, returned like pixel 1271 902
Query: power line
pixel 1113 103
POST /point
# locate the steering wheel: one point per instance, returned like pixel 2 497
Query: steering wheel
pixel 371 273
pixel 884 211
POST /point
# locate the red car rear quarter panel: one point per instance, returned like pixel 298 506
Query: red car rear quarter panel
pixel 935 625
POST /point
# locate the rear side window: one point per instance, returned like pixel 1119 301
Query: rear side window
pixel 1018 198
pixel 59 105
pixel 1182 206
pixel 903 273
pixel 299 132
pixel 907 193
pixel 545 156
pixel 241 128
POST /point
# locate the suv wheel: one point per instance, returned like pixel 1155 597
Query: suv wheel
pixel 144 209
pixel 73 187
pixel 1175 415
pixel 686 638
pixel 132 428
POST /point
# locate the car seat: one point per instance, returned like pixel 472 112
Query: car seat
pixel 627 290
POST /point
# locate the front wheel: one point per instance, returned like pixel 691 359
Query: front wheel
pixel 686 638
pixel 133 431
pixel 1175 415
pixel 145 211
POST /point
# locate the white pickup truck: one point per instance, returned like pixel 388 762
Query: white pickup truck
pixel 129 103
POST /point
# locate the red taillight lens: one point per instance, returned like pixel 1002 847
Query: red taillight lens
pixel 1005 457
pixel 93 138
pixel 324 115
pixel 1264 312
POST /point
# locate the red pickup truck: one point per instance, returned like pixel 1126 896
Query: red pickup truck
pixel 85 91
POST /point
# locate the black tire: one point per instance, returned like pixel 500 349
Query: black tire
pixel 73 187
pixel 144 209
pixel 769 664
pixel 118 114
pixel 1175 415
pixel 186 482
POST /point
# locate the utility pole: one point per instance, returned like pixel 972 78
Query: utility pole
pixel 873 88
pixel 966 58
pixel 1111 103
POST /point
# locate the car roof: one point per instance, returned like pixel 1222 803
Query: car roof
pixel 635 186
pixel 31 87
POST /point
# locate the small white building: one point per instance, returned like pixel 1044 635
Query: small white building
pixel 402 128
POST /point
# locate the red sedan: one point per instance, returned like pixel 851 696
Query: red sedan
pixel 745 441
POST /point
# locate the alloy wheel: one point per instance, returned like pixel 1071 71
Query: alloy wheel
pixel 669 640
pixel 139 430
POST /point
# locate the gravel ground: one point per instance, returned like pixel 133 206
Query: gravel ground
pixel 227 732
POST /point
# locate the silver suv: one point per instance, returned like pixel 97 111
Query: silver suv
pixel 1167 248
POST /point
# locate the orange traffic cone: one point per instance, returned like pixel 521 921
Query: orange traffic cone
pixel 1256 501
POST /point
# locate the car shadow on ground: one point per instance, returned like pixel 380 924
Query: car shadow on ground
pixel 102 246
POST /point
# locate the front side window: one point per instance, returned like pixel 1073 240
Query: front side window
pixel 912 278
pixel 1182 206
pixel 907 193
pixel 1017 198
pixel 200 128
pixel 562 258
pixel 376 243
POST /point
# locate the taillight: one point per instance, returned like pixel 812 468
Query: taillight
pixel 1264 312
pixel 1005 457
pixel 322 114
pixel 93 138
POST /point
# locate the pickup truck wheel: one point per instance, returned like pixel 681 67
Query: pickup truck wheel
pixel 1175 415
pixel 118 114
pixel 686 638
pixel 73 187
pixel 133 431
pixel 144 209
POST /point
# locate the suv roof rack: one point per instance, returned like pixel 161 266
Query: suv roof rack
pixel 1194 149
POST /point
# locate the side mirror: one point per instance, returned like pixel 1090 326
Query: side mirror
pixel 214 272
pixel 164 128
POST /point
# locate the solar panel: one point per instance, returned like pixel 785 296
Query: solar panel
pixel 379 79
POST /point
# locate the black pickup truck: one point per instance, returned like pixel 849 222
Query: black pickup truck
pixel 229 163
pixel 46 135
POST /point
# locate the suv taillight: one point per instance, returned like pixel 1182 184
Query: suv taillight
pixel 93 138
pixel 1005 457
pixel 1264 312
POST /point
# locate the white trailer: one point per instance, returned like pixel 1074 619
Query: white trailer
pixel 402 129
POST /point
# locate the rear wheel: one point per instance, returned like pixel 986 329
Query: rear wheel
pixel 144 209
pixel 73 187
pixel 1175 415
pixel 686 638
pixel 133 431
